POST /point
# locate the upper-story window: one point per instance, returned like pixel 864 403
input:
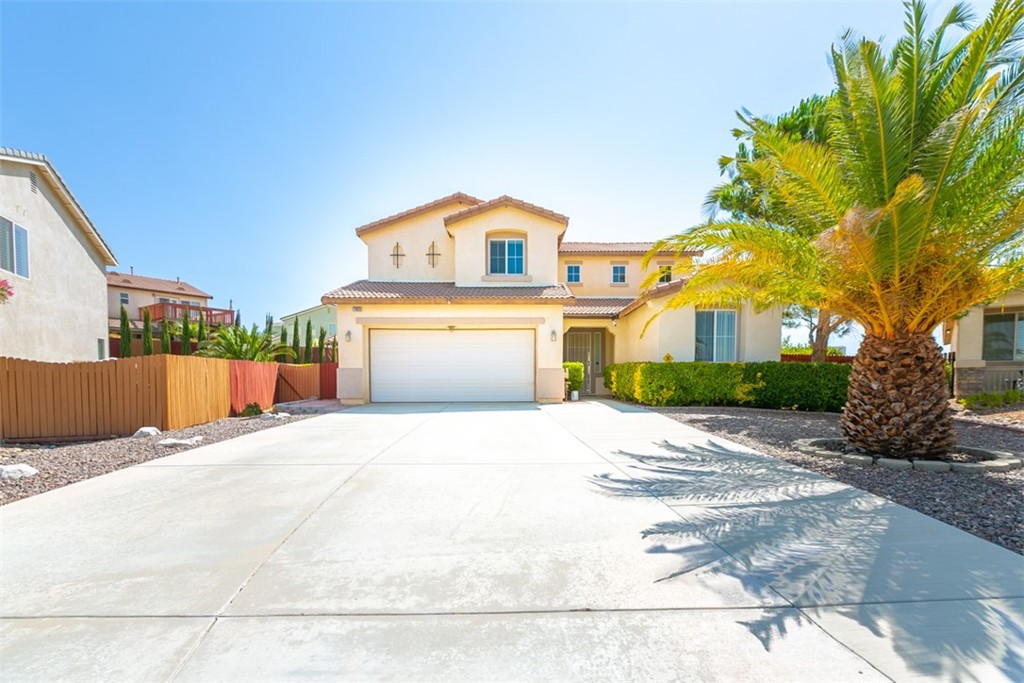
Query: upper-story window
pixel 572 274
pixel 507 256
pixel 13 248
pixel 1003 337
pixel 716 336
pixel 665 273
pixel 124 298
pixel 618 275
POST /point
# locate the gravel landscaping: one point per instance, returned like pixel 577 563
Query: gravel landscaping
pixel 989 505
pixel 60 465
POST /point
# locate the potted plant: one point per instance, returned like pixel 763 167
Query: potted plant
pixel 574 372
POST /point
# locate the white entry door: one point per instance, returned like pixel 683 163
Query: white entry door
pixel 456 365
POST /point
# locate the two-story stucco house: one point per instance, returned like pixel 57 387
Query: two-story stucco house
pixel 989 347
pixel 321 316
pixel 56 261
pixel 164 299
pixel 471 300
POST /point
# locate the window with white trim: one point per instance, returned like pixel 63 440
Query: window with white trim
pixel 1003 337
pixel 665 274
pixel 572 274
pixel 124 298
pixel 618 275
pixel 716 336
pixel 332 329
pixel 13 248
pixel 507 256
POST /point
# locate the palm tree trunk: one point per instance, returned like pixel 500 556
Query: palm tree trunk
pixel 897 403
pixel 819 346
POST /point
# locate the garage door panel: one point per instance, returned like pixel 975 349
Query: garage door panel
pixel 458 365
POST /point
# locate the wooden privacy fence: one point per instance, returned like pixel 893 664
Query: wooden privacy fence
pixel 328 380
pixel 252 382
pixel 297 382
pixel 115 397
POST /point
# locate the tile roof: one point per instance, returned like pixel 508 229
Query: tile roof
pixel 441 292
pixel 596 306
pixel 154 284
pixel 652 293
pixel 505 200
pixel 615 248
pixel 50 172
pixel 456 198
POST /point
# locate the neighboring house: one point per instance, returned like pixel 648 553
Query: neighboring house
pixel 164 299
pixel 56 261
pixel 989 347
pixel 322 316
pixel 469 300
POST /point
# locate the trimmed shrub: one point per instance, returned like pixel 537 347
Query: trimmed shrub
pixel 801 386
pixel 996 399
pixel 251 410
pixel 575 374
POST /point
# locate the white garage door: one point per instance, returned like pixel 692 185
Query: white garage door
pixel 458 365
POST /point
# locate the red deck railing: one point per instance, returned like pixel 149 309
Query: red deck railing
pixel 165 311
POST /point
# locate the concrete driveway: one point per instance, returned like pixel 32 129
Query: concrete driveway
pixel 588 541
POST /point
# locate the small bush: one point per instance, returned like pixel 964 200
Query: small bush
pixel 803 386
pixel 575 374
pixel 993 400
pixel 251 410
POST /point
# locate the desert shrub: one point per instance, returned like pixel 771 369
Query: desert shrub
pixel 996 399
pixel 251 410
pixel 575 374
pixel 801 386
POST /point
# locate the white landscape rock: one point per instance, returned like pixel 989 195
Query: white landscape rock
pixel 275 416
pixel 17 471
pixel 181 442
pixel 146 431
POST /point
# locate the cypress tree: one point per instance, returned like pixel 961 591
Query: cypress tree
pixel 296 358
pixel 284 342
pixel 147 334
pixel 186 335
pixel 334 350
pixel 126 335
pixel 320 345
pixel 307 356
pixel 201 331
pixel 165 337
pixel 238 318
pixel 269 327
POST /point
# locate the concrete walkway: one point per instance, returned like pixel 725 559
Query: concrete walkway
pixel 587 541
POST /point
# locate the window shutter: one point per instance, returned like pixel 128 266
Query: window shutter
pixel 21 251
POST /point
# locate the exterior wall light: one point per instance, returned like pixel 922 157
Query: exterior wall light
pixel 554 335
pixel 348 335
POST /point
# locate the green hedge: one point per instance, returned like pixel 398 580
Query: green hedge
pixel 805 386
pixel 575 374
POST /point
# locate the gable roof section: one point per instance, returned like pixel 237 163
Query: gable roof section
pixel 154 284
pixel 457 198
pixel 652 293
pixel 616 248
pixel 64 194
pixel 505 201
pixel 597 306
pixel 366 291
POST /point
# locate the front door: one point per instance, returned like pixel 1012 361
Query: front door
pixel 585 347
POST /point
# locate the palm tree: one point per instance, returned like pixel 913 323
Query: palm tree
pixel 923 186
pixel 239 343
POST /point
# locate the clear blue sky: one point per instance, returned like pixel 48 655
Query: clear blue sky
pixel 237 145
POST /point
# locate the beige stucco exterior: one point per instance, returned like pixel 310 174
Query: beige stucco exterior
pixel 596 273
pixel 414 235
pixel 974 374
pixel 140 297
pixel 355 327
pixel 541 245
pixel 58 313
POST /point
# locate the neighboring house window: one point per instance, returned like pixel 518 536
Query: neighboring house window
pixel 164 300
pixel 332 329
pixel 1003 337
pixel 101 349
pixel 618 275
pixel 13 248
pixel 716 336
pixel 507 257
pixel 124 298
pixel 572 274
pixel 666 274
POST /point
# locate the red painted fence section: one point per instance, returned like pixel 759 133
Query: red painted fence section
pixel 328 380
pixel 252 382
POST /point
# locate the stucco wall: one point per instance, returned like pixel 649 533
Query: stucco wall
pixel 414 235
pixel 596 273
pixel 354 355
pixel 541 236
pixel 968 333
pixel 322 316
pixel 138 298
pixel 60 312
